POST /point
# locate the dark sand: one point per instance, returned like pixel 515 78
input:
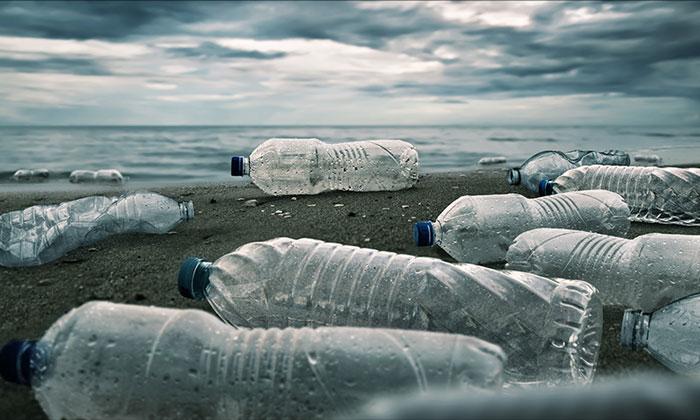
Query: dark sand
pixel 142 269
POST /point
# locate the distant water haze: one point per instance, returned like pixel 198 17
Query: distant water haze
pixel 199 154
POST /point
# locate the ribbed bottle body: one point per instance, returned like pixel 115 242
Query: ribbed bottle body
pixel 642 273
pixel 285 282
pixel 309 166
pixel 479 229
pixel 654 195
pixel 107 360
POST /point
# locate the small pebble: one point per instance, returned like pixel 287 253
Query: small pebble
pixel 172 232
pixel 404 206
pixel 240 199
pixel 212 201
pixel 366 240
pixel 385 208
pixel 352 214
pixel 251 203
pixel 92 249
pixel 287 216
pixel 139 297
pixel 277 212
pixel 293 199
pixel 44 282
pixel 339 205
pixel 311 205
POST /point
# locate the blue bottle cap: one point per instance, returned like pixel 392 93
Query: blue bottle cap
pixel 237 165
pixel 15 356
pixel 193 278
pixel 423 233
pixel 545 187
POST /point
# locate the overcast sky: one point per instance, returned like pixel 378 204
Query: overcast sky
pixel 355 63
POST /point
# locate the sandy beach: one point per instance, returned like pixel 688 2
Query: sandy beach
pixel 142 269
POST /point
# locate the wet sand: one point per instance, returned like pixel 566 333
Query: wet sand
pixel 142 269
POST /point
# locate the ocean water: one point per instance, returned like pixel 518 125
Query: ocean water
pixel 202 154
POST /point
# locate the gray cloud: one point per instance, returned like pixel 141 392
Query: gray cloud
pixel 210 50
pixel 55 64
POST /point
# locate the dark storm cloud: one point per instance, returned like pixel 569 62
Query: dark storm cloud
pixel 94 19
pixel 54 65
pixel 210 50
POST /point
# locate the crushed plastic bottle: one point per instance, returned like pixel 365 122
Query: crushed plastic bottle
pixel 114 361
pixel 552 163
pixel 30 175
pixel 110 176
pixel 642 273
pixel 549 329
pixel 654 195
pixel 670 334
pixel 309 166
pixel 639 397
pixel 478 229
pixel 40 234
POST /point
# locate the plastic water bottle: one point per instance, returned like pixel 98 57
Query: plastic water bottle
pixel 309 166
pixel 639 397
pixel 478 229
pixel 654 195
pixel 552 163
pixel 641 273
pixel 30 175
pixel 549 329
pixel 114 361
pixel 110 176
pixel 39 234
pixel 670 334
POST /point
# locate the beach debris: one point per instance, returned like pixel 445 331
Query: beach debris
pixel 251 203
pixel 339 205
pixel 43 233
pixel 550 164
pixel 387 165
pixel 111 176
pixel 492 160
pixel 651 159
pixel 30 175
pixel 103 350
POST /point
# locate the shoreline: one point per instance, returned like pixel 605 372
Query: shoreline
pixel 142 269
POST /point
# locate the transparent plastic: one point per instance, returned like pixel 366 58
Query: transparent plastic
pixel 39 234
pixel 654 195
pixel 30 175
pixel 552 163
pixel 479 229
pixel 670 334
pixel 112 176
pixel 115 361
pixel 642 273
pixel 549 329
pixel 309 166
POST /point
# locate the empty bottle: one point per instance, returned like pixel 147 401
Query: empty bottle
pixel 549 329
pixel 552 163
pixel 109 176
pixel 638 397
pixel 654 195
pixel 30 175
pixel 670 334
pixel 39 234
pixel 115 361
pixel 642 273
pixel 478 229
pixel 309 166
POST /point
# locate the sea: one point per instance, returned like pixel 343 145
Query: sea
pixel 201 154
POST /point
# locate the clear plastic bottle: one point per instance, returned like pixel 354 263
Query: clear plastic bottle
pixel 109 176
pixel 642 273
pixel 654 195
pixel 40 234
pixel 670 334
pixel 309 166
pixel 549 329
pixel 638 397
pixel 552 163
pixel 115 361
pixel 478 229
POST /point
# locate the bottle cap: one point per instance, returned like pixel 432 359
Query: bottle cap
pixel 14 361
pixel 193 278
pixel 514 176
pixel 237 165
pixel 423 233
pixel 545 187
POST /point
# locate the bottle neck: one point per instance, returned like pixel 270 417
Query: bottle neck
pixel 514 176
pixel 246 166
pixel 635 329
pixel 186 210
